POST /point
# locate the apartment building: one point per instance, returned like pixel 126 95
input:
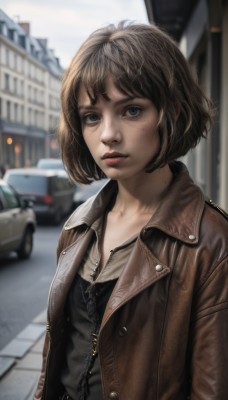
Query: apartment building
pixel 30 78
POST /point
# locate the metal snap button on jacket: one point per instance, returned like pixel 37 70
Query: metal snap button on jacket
pixel 113 396
pixel 191 237
pixel 122 331
pixel 159 267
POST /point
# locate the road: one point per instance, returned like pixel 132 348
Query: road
pixel 24 285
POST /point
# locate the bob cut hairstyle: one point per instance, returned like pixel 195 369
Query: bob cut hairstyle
pixel 143 61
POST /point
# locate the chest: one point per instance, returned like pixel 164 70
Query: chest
pixel 119 230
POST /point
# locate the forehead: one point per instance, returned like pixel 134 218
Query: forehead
pixel 111 92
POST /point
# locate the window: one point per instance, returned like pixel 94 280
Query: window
pixel 22 89
pixel 23 65
pixel 22 114
pixel 31 70
pixel 21 41
pixel 7 57
pixel 11 33
pixel 15 85
pixel 31 116
pixel 36 118
pixel 29 92
pixel 15 61
pixel 8 110
pixel 29 183
pixel 10 197
pixel 7 83
pixel 41 119
pixel 50 122
pixel 15 112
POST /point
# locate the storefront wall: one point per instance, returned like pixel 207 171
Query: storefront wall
pixel 20 150
pixel 203 40
pixel 224 113
pixel 207 53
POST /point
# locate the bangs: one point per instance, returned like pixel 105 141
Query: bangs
pixel 109 61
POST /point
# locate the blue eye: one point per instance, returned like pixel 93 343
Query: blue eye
pixel 133 111
pixel 90 118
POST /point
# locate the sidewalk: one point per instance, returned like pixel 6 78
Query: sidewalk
pixel 20 362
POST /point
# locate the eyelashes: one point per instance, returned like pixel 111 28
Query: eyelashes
pixel 133 111
pixel 130 111
pixel 90 118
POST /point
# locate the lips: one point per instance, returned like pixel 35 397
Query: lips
pixel 113 159
pixel 113 154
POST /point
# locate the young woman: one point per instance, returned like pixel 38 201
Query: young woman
pixel 138 308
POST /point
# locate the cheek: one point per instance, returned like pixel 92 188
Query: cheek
pixel 90 143
pixel 152 143
pixel 150 135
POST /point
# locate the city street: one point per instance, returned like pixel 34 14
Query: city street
pixel 24 285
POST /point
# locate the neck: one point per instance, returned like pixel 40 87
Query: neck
pixel 143 195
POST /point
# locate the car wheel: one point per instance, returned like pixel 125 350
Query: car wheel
pixel 26 246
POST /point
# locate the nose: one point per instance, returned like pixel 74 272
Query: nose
pixel 110 131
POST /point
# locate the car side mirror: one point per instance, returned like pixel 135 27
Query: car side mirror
pixel 27 203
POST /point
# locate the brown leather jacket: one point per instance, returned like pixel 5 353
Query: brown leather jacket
pixel 164 334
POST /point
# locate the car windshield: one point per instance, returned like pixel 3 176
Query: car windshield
pixel 28 183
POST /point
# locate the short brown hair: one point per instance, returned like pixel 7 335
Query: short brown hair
pixel 143 61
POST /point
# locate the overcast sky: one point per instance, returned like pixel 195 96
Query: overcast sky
pixel 67 23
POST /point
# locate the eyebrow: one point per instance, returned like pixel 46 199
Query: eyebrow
pixel 118 102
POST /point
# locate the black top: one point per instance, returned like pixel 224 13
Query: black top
pixel 85 306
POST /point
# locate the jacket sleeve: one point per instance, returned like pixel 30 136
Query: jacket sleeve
pixel 209 337
pixel 40 386
pixel 66 238
pixel 41 382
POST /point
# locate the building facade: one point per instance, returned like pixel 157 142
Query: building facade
pixel 30 78
pixel 201 29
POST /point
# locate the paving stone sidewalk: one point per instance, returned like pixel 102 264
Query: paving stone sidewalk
pixel 20 362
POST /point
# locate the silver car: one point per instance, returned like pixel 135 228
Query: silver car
pixel 17 223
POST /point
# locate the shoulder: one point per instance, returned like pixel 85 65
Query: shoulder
pixel 74 227
pixel 214 230
pixel 217 208
pixel 215 218
pixel 81 220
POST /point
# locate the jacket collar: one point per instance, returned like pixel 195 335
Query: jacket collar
pixel 178 215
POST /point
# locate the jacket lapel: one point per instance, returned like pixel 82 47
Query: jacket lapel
pixel 69 262
pixel 142 270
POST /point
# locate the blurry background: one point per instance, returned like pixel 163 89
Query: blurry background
pixel 39 38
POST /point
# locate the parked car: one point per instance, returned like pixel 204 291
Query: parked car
pixel 17 222
pixel 83 192
pixel 49 190
pixel 50 163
